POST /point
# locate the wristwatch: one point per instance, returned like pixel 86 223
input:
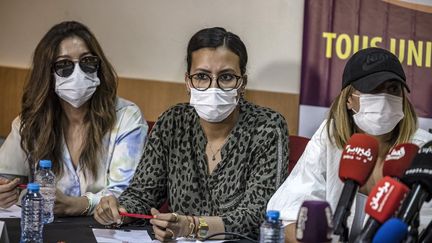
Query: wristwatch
pixel 203 228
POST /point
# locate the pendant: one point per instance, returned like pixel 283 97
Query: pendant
pixel 214 157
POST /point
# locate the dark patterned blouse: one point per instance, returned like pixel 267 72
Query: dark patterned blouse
pixel 174 166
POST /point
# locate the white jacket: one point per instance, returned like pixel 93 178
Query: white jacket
pixel 316 177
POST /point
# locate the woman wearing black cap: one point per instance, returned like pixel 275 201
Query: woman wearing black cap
pixel 372 101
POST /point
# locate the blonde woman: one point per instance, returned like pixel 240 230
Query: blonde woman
pixel 372 101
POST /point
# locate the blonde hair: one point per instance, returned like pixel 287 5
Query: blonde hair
pixel 340 124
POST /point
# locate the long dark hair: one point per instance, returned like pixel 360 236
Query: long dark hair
pixel 41 113
pixel 216 37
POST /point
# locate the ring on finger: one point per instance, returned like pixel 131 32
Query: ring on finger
pixel 172 233
pixel 176 217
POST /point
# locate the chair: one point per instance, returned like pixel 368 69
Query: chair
pixel 150 126
pixel 296 145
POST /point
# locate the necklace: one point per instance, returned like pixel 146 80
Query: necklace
pixel 217 151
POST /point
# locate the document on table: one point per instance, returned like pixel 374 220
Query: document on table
pixel 121 236
pixel 133 236
pixel 12 212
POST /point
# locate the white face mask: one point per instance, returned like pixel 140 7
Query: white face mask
pixel 78 88
pixel 213 104
pixel 379 113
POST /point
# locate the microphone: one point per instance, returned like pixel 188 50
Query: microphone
pixel 357 162
pixel 383 201
pixel 392 231
pixel 426 234
pixel 399 159
pixel 314 222
pixel 419 177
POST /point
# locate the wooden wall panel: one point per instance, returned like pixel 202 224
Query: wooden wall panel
pixel 153 97
pixel 284 103
pixel 11 89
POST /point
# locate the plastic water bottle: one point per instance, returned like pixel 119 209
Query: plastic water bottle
pixel 271 230
pixel 31 215
pixel 46 179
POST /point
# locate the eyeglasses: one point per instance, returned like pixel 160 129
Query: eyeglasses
pixel 225 81
pixel 65 67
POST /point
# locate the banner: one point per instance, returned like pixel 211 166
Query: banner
pixel 335 29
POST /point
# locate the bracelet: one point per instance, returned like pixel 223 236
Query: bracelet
pixel 196 226
pixel 86 210
pixel 191 227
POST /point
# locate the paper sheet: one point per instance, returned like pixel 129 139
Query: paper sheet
pixel 12 212
pixel 121 236
pixel 132 236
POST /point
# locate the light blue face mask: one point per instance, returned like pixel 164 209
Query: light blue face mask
pixel 213 104
pixel 379 113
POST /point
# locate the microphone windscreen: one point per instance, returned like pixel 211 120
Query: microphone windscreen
pixel 420 171
pixel 385 198
pixel 394 230
pixel 399 159
pixel 314 222
pixel 358 158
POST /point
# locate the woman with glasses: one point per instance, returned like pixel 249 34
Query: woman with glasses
pixel 71 115
pixel 216 160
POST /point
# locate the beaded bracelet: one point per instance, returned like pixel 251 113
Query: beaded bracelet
pixel 86 210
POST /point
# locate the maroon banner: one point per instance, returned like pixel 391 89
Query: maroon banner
pixel 335 29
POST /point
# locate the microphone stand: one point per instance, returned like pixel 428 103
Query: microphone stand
pixel 342 211
pixel 413 233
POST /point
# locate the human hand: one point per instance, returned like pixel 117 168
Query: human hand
pixel 168 226
pixel 69 206
pixel 9 192
pixel 107 211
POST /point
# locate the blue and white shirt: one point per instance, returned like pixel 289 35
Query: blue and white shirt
pixel 121 153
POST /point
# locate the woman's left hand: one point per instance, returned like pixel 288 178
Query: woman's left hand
pixel 70 206
pixel 169 226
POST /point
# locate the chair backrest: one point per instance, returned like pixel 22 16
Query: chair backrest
pixel 296 145
pixel 150 126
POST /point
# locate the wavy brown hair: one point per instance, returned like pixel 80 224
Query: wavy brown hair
pixel 42 115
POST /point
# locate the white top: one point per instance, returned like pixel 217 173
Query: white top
pixel 316 177
pixel 122 151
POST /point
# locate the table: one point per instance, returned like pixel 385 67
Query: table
pixel 71 230
pixel 68 230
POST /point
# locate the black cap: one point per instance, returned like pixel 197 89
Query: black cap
pixel 368 68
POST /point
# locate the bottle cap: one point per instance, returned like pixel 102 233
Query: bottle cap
pixel 273 215
pixel 33 187
pixel 45 163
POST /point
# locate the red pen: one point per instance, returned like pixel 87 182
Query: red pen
pixel 22 186
pixel 135 215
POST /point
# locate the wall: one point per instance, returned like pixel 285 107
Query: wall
pixel 146 40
